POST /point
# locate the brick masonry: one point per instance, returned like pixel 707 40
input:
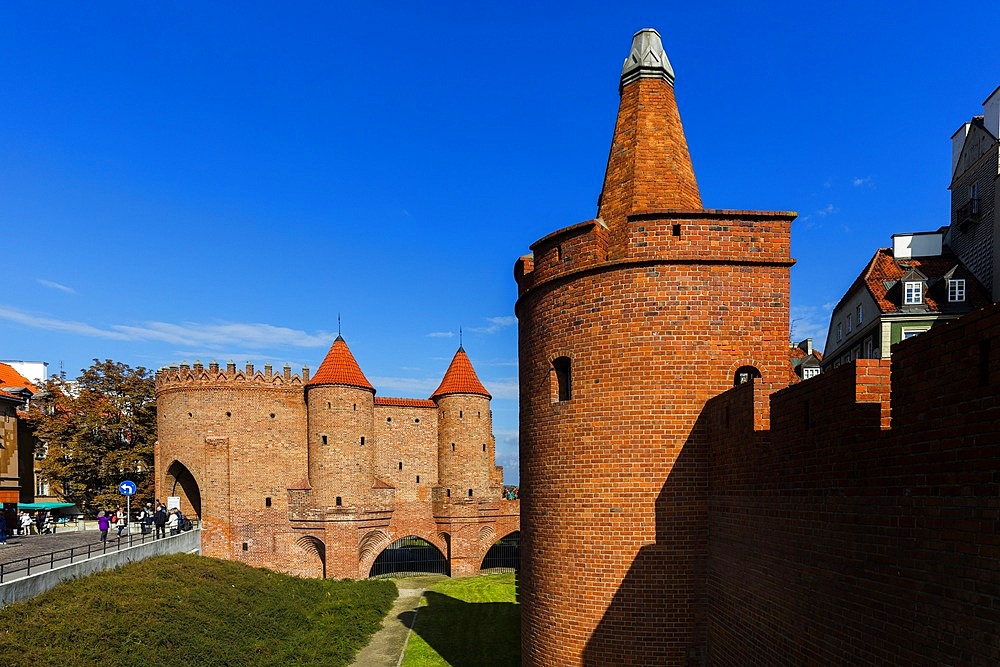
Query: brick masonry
pixel 674 516
pixel 316 480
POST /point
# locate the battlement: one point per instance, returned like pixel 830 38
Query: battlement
pixel 674 236
pixel 197 375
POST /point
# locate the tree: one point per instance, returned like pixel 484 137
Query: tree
pixel 98 431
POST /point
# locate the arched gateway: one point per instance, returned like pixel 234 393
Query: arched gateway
pixel 317 476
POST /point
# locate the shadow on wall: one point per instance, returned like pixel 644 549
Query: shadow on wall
pixel 657 616
pixel 488 633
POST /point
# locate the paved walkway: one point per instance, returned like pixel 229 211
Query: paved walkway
pixel 387 645
pixel 20 547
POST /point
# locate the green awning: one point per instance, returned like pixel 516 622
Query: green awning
pixel 43 506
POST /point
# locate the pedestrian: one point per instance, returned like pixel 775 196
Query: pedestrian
pixel 160 521
pixel 121 520
pixel 103 524
pixel 174 523
pixel 141 517
pixel 3 529
pixel 39 521
pixel 25 523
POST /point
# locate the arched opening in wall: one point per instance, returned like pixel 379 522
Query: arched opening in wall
pixel 315 552
pixel 561 379
pixel 180 482
pixel 745 374
pixel 408 555
pixel 504 555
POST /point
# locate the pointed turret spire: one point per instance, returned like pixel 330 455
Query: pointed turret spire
pixel 339 367
pixel 649 167
pixel 460 378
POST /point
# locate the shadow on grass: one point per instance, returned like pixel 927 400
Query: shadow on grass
pixel 469 634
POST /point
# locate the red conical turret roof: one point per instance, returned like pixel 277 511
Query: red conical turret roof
pixel 339 367
pixel 460 378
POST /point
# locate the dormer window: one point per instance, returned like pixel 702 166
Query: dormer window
pixel 913 293
pixel 956 290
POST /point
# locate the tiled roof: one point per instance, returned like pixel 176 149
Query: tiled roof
pixel 339 367
pixel 460 378
pixel 11 397
pixel 883 274
pixel 11 378
pixel 404 402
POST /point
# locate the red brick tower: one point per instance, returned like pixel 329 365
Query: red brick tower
pixel 465 431
pixel 628 324
pixel 341 413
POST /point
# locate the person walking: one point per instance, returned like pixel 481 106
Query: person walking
pixel 103 524
pixel 25 523
pixel 160 521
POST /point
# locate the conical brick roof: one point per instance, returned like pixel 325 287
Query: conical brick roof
pixel 460 378
pixel 649 167
pixel 339 367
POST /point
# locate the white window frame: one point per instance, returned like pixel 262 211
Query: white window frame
pixel 956 290
pixel 910 333
pixel 913 293
pixel 807 373
pixel 850 323
pixel 861 310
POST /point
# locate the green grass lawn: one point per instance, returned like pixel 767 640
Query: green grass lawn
pixel 467 622
pixel 191 610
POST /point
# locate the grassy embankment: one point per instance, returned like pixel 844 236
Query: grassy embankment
pixel 189 610
pixel 467 623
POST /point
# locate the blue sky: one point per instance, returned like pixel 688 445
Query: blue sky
pixel 184 181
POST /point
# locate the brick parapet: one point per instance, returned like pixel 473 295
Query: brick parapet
pixel 723 237
pixel 838 537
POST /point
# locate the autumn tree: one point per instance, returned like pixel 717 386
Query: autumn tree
pixel 96 432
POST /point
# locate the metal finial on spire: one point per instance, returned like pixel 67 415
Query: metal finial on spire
pixel 647 59
pixel 460 338
pixel 338 324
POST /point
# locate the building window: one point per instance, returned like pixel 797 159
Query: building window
pixel 564 384
pixel 914 293
pixel 809 372
pixel 870 349
pixel 41 451
pixel 861 314
pixel 850 323
pixel 840 332
pixel 956 290
pixel 41 486
pixel 910 333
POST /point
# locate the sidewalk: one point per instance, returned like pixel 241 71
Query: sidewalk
pixel 19 547
pixel 387 645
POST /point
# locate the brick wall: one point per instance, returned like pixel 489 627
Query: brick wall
pixel 835 539
pixel 263 460
pixel 613 481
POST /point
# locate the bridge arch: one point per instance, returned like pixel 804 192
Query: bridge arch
pixel 409 555
pixel 504 555
pixel 315 552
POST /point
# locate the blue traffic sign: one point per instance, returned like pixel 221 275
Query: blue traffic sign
pixel 127 488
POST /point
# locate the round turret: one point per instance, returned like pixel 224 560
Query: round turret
pixel 341 413
pixel 465 432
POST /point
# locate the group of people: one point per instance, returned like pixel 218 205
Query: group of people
pixel 150 519
pixel 13 522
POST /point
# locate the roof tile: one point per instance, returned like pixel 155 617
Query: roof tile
pixel 460 378
pixel 339 367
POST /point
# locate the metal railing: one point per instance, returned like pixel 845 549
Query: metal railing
pixel 60 557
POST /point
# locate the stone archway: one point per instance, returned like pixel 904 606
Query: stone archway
pixel 315 552
pixel 410 554
pixel 180 482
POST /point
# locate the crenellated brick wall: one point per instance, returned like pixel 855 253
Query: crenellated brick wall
pixel 838 538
